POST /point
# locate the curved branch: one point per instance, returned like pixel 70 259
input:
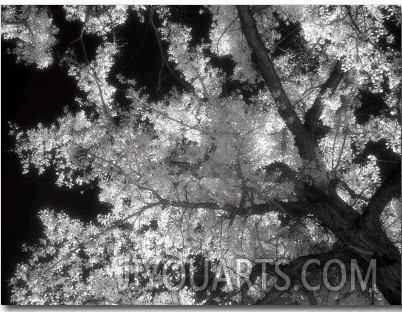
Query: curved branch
pixel 285 172
pixel 314 113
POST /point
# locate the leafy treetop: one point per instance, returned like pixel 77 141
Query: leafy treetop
pixel 267 170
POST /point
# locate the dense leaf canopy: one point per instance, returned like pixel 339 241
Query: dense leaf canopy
pixel 265 145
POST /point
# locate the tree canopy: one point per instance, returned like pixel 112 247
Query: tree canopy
pixel 263 138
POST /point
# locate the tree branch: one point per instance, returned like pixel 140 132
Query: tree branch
pixel 390 188
pixel 271 296
pixel 267 69
pixel 352 193
pixel 314 113
pixel 290 208
pixel 304 140
pixel 165 60
pixel 285 172
pixel 311 296
pixel 101 233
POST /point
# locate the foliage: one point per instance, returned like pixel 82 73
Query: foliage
pixel 34 31
pixel 202 172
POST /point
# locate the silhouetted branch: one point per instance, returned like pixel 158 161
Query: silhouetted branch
pixel 314 113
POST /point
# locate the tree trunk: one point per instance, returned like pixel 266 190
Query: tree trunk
pixel 388 266
pixel 389 281
pixel 367 239
pixel 363 234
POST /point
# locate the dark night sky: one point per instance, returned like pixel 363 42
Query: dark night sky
pixel 30 96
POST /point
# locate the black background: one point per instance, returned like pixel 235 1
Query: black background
pixel 30 96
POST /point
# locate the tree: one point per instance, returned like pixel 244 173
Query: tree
pixel 264 158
